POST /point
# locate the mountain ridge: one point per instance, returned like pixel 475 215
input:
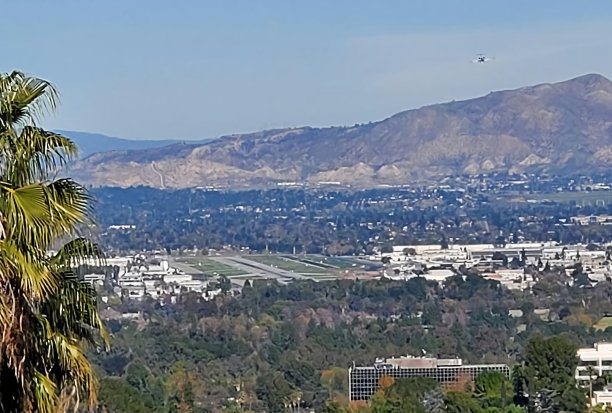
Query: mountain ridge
pixel 548 127
pixel 90 142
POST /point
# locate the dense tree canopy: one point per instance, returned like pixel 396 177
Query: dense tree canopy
pixel 550 364
pixel 337 222
pixel 273 342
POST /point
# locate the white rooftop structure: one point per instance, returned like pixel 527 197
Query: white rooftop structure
pixel 594 362
pixel 603 397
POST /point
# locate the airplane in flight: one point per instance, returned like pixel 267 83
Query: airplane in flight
pixel 481 58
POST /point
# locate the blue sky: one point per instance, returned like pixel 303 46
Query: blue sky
pixel 198 69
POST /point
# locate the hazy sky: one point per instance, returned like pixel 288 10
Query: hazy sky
pixel 199 69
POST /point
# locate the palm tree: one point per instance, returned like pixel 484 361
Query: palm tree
pixel 46 313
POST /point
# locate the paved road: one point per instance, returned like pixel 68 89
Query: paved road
pixel 161 177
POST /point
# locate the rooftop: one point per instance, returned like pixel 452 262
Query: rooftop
pixel 411 362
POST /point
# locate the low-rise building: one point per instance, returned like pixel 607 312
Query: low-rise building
pixel 603 397
pixel 93 278
pixel 364 381
pixel 594 362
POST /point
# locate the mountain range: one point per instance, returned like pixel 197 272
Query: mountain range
pixel 561 128
pixel 89 143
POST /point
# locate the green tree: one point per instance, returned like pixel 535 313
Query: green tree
pixel 460 402
pixel 432 315
pixel 335 407
pixel 413 387
pixel 118 396
pixel 274 390
pixel 138 376
pixel 46 312
pixel 334 380
pixel 493 389
pixel 550 365
pixel 413 395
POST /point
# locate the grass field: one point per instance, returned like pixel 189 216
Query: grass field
pixel 603 323
pixel 323 277
pixel 332 261
pixel 209 266
pixel 287 264
pixel 593 197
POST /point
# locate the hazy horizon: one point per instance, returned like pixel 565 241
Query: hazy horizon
pixel 204 69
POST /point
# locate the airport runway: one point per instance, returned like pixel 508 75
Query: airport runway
pixel 184 267
pixel 261 270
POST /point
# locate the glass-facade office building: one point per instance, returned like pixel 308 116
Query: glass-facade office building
pixel 364 381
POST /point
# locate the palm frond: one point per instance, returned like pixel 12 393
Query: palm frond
pixel 40 213
pixel 73 311
pixel 65 363
pixel 69 205
pixel 24 99
pixel 76 252
pixel 26 214
pixel 34 153
pixel 30 271
pixel 45 393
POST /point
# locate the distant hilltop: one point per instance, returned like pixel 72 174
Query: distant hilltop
pixel 560 128
pixel 90 143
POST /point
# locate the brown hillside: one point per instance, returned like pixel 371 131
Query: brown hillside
pixel 561 127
